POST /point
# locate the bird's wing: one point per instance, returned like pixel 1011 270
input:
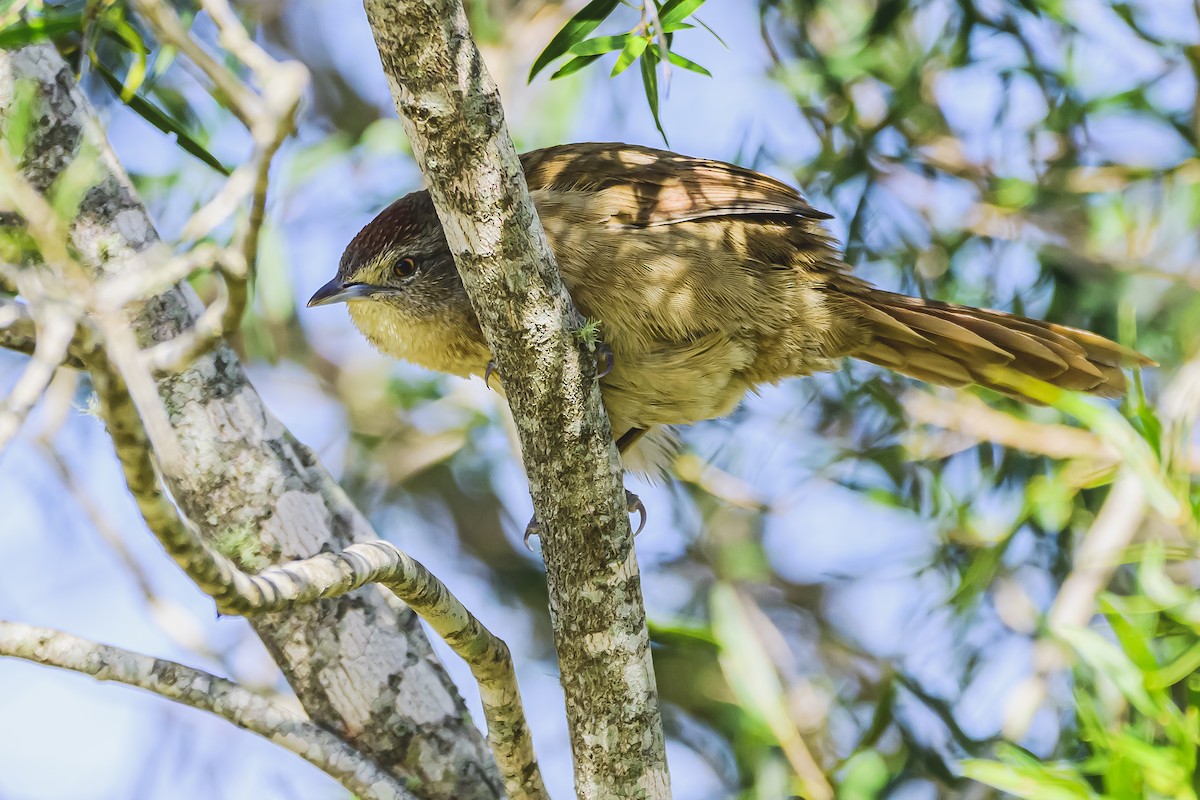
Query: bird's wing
pixel 644 187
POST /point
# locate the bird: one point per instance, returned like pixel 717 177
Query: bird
pixel 707 280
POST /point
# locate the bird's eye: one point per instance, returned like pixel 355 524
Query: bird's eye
pixel 405 267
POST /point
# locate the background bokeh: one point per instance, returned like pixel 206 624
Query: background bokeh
pixel 1036 156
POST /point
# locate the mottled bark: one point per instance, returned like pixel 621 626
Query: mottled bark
pixel 452 113
pixel 360 665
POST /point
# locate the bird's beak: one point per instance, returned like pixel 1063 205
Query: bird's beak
pixel 337 292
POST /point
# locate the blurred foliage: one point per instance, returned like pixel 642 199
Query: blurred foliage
pixel 1034 155
pixel 106 37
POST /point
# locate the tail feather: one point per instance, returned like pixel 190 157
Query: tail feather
pixel 956 345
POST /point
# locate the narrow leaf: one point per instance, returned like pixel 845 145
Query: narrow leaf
pixel 715 35
pixel 650 83
pixel 678 10
pixel 600 45
pixel 573 66
pixel 687 63
pixel 633 48
pixel 575 31
pixel 21 111
pixel 159 119
pixel 24 32
pixel 137 71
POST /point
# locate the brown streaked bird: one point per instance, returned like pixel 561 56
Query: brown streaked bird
pixel 708 279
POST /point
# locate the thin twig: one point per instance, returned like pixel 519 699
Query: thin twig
pixel 270 119
pixel 169 28
pixel 968 415
pixel 192 687
pixel 18 333
pixel 50 235
pixel 48 354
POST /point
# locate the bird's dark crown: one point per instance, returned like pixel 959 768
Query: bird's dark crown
pixel 408 227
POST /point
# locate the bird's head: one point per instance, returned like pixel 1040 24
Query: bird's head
pixel 398 280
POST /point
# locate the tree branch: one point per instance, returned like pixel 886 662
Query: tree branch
pixel 353 661
pixel 289 729
pixel 452 113
pixel 326 576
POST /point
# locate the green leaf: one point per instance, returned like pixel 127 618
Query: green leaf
pixel 885 14
pixel 745 662
pixel 159 119
pixel 27 32
pixel 576 29
pixel 1027 780
pixel 1109 661
pixel 715 35
pixel 137 71
pixel 573 66
pixel 866 775
pixel 687 63
pixel 600 45
pixel 1134 641
pixel 650 83
pixel 19 117
pixel 1109 425
pixel 633 48
pixel 678 10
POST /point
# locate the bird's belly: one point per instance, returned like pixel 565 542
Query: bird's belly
pixel 677 383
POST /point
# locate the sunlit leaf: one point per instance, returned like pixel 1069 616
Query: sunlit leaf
pixel 159 119
pixel 1028 781
pixel 575 31
pixel 19 116
pixel 650 84
pixel 1104 657
pixel 573 66
pixel 601 45
pixel 678 10
pixel 687 64
pixel 137 71
pixel 634 47
pixel 35 30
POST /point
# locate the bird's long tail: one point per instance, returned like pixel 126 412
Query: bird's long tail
pixel 955 345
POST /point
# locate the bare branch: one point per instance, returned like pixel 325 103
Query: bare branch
pixel 289 729
pixel 330 575
pixel 968 415
pixel 18 332
pixel 48 354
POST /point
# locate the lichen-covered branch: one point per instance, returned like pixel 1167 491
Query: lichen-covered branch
pixel 354 661
pixel 451 111
pixel 325 576
pixel 289 729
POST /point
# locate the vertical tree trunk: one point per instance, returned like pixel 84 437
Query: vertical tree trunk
pixel 452 113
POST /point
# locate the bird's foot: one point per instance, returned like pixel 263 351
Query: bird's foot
pixel 604 360
pixel 633 503
pixel 487 373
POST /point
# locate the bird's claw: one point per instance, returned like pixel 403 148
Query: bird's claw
pixel 604 360
pixel 487 375
pixel 533 529
pixel 633 504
